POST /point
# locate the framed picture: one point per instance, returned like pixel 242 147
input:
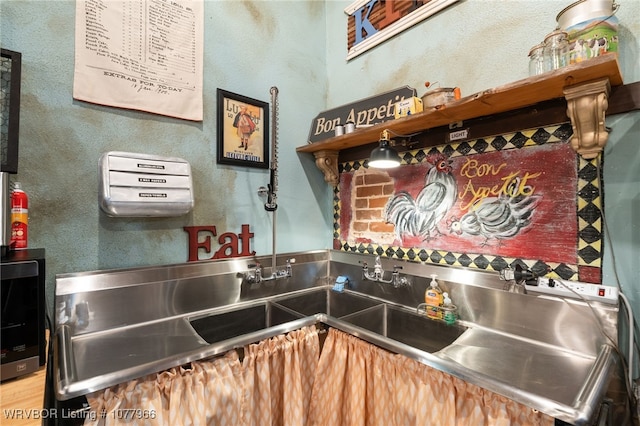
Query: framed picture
pixel 243 131
pixel 10 69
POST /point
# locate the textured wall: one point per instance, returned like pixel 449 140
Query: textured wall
pixel 480 44
pixel 473 44
pixel 248 47
pixel 299 46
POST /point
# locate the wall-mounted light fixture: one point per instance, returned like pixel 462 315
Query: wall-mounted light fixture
pixel 384 156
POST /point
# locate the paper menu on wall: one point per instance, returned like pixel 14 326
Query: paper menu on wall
pixel 140 54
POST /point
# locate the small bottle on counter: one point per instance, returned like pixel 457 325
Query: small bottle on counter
pixel 433 298
pixel 19 217
pixel 449 312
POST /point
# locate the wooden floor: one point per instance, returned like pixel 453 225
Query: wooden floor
pixel 23 397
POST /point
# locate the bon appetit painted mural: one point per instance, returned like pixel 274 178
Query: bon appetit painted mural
pixel 507 201
pixel 477 208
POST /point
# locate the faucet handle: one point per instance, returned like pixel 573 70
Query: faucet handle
pixel 507 274
pixel 518 274
pixel 256 276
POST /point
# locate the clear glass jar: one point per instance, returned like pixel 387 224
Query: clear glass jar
pixel 536 60
pixel 556 50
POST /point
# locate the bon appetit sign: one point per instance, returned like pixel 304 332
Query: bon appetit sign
pixel 371 22
pixel 365 112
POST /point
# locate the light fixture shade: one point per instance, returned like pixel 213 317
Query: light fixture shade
pixel 384 156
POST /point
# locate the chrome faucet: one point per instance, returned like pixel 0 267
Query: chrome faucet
pixel 397 280
pixel 285 273
pixel 516 278
pixel 378 274
pixel 289 268
pixel 257 276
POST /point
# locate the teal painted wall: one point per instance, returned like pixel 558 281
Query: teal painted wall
pixel 248 47
pixel 481 44
pixel 300 47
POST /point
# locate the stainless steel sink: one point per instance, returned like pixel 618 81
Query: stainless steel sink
pixel 217 327
pixel 327 301
pixel 394 322
pixel 408 327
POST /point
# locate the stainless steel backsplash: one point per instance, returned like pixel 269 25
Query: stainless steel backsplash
pixel 117 298
pixel 481 299
pixel 102 300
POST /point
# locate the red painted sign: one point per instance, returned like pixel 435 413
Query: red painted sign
pixel 517 203
pixel 231 245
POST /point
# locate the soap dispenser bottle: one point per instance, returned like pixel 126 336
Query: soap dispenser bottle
pixel 449 311
pixel 433 298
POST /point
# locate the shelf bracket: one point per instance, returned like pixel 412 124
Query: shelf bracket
pixel 586 106
pixel 327 162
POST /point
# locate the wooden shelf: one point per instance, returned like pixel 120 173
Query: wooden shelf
pixel 519 94
pixel 585 86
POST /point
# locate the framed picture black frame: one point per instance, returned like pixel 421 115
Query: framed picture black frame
pixel 243 130
pixel 11 70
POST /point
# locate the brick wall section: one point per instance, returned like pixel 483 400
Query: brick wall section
pixel 371 191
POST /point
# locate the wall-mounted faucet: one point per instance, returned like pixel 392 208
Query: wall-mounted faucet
pixel 378 274
pixel 286 272
pixel 515 278
pixel 257 276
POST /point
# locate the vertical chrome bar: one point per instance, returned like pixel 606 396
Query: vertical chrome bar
pixel 273 181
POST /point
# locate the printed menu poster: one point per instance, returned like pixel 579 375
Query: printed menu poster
pixel 142 55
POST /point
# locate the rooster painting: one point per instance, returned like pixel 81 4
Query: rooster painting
pixel 421 216
pixel 498 217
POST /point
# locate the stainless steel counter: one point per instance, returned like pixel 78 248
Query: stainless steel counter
pixel 564 378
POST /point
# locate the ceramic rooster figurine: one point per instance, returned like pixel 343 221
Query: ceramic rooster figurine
pixel 498 217
pixel 420 217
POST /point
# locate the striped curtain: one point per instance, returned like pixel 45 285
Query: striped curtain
pixel 278 376
pixel 363 385
pixel 286 381
pixel 270 386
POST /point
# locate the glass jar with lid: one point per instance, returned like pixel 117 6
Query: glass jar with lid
pixel 536 60
pixel 556 50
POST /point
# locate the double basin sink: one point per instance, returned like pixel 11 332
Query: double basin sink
pixel 557 382
pixel 93 361
pixel 371 315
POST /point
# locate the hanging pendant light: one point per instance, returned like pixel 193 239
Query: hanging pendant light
pixel 384 156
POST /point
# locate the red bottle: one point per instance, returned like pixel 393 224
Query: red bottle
pixel 19 217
